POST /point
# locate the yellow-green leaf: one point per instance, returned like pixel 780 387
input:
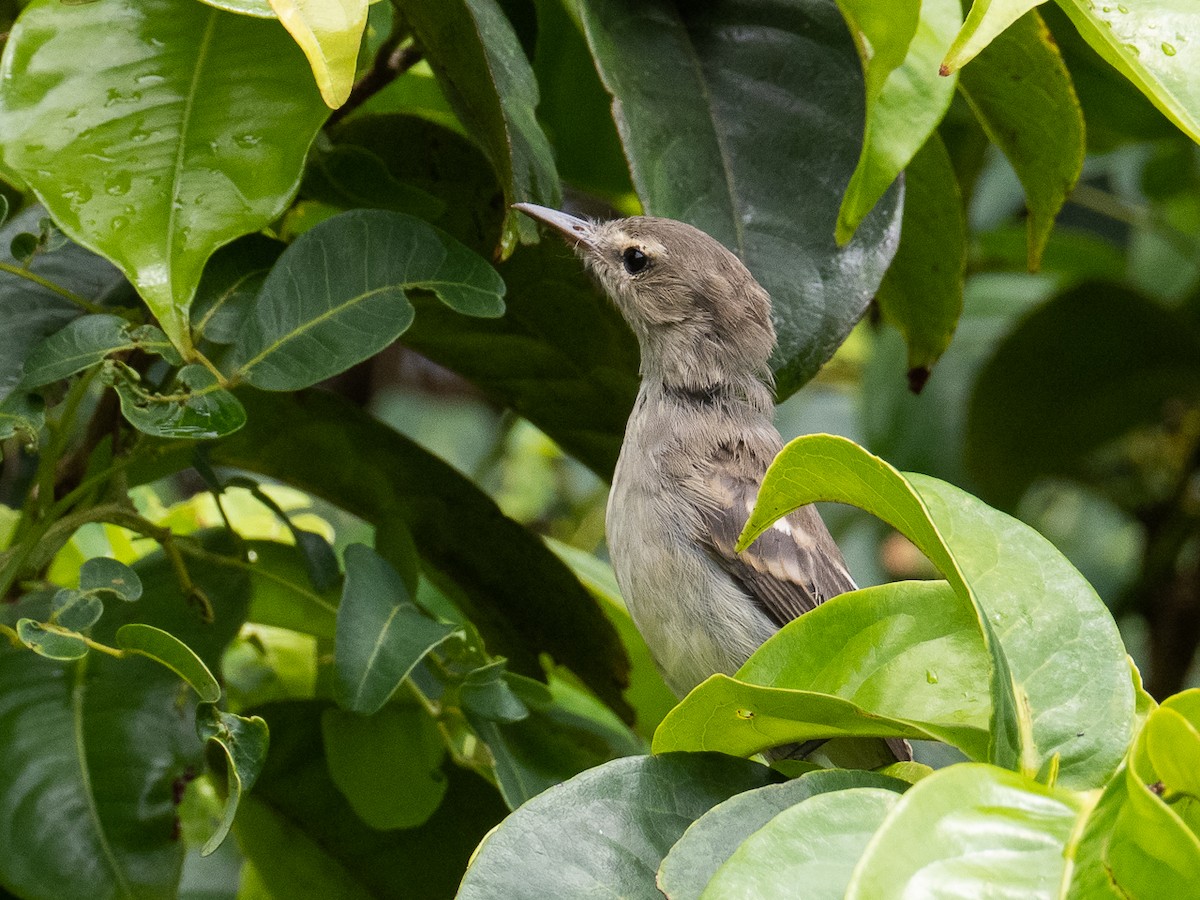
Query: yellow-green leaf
pixel 329 32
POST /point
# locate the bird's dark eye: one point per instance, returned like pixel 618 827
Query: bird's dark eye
pixel 635 260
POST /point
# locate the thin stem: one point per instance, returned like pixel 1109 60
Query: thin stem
pixel 391 61
pixel 104 648
pixel 71 296
pixel 208 364
pixel 11 634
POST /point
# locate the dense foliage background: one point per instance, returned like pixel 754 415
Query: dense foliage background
pixel 272 575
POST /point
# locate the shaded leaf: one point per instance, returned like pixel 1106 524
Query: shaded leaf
pixel 87 341
pixel 76 611
pixel 816 843
pixel 1051 662
pixel 606 829
pixel 351 176
pixel 683 93
pixel 183 128
pixel 51 641
pixel 1021 93
pixel 195 408
pixel 329 32
pixel 714 837
pixel 23 416
pixel 243 742
pixel 388 765
pixel 980 828
pixel 486 693
pixel 1077 373
pixel 163 647
pixel 305 840
pixel 906 97
pixel 922 292
pixel 108 576
pixel 898 660
pixel 488 80
pixel 338 295
pixel 229 286
pixel 381 634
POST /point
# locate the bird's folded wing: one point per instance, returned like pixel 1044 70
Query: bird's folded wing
pixel 791 568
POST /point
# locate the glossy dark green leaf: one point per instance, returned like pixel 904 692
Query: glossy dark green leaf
pixel 1021 92
pixel 713 837
pixel 1051 661
pixel 108 576
pixel 166 649
pixel 195 406
pixel 524 600
pixel 77 741
pixel 352 176
pixel 605 830
pixel 381 634
pixel 715 137
pixel 305 840
pixel 243 742
pixel 560 355
pixel 388 765
pixel 187 129
pixel 816 843
pixel 75 610
pixel 30 311
pixel 897 660
pixel 338 295
pixel 1086 368
pixel 23 416
pixel 906 96
pixel 488 80
pixel 87 341
pixel 982 829
pixel 922 292
pixel 423 155
pixel 51 641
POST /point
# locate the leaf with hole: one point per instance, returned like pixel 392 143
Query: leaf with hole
pixel 75 610
pixel 195 407
pixel 338 295
pixel 51 641
pixel 243 741
pixel 168 650
pixel 155 131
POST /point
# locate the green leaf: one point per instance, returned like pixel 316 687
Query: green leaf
pixel 350 176
pixel 587 843
pixel 714 837
pixel 486 693
pixel 388 766
pixel 282 593
pixel 184 128
pixel 108 576
pixel 163 647
pixel 922 292
pixel 906 98
pixel 31 311
pixel 1072 377
pixel 783 853
pixel 243 742
pixel 1021 93
pixel 87 341
pixel 51 641
pixel 258 8
pixel 305 840
pixel 75 611
pixel 78 741
pixel 1161 61
pixel 525 601
pixel 979 828
pixel 898 660
pixel 229 286
pixel 486 77
pixel 714 140
pixel 1050 660
pixel 381 634
pixel 196 407
pixel 338 295
pixel 561 356
pixel 23 416
pixel 329 32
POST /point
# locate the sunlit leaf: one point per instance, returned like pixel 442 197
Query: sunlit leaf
pixel 329 32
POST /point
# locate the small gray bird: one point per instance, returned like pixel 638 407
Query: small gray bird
pixel 696 447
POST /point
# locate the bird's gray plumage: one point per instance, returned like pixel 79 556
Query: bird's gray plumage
pixel 696 447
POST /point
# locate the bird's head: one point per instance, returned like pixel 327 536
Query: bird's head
pixel 699 315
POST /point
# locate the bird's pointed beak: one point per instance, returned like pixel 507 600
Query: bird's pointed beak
pixel 576 231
